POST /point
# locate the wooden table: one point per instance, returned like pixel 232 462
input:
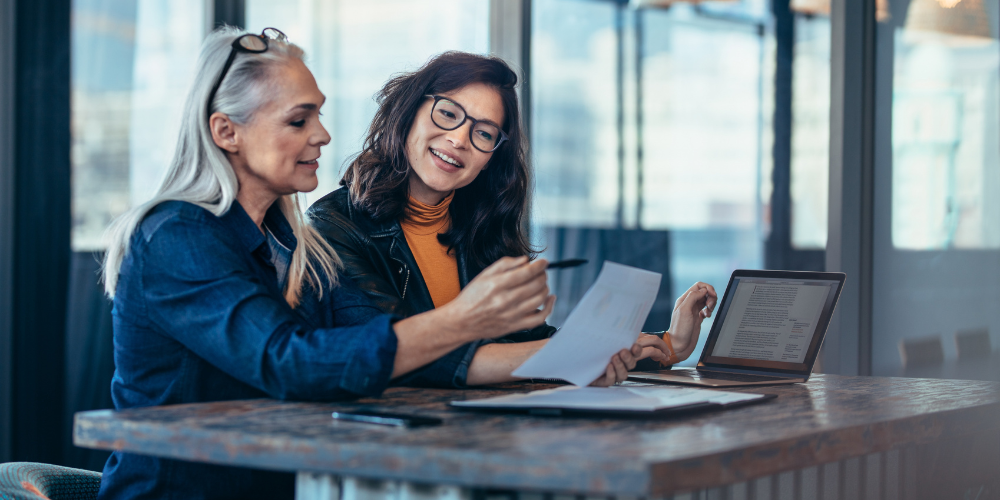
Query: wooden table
pixel 937 439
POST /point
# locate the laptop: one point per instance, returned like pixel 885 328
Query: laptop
pixel 768 330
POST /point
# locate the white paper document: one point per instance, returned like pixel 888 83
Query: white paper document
pixel 616 398
pixel 607 320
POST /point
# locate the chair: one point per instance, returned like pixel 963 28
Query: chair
pixel 926 351
pixel 32 481
pixel 973 344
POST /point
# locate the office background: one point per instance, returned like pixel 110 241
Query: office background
pixel 688 138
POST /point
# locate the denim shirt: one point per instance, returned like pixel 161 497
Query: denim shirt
pixel 199 315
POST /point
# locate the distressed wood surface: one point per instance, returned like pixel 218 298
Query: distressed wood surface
pixel 828 419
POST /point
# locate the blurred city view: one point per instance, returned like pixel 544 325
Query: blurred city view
pixel 654 121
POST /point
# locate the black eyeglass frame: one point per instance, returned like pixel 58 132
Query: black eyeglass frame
pixel 438 98
pixel 239 47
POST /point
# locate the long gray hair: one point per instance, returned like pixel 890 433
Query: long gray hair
pixel 201 174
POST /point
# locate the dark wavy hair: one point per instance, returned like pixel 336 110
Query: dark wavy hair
pixel 487 216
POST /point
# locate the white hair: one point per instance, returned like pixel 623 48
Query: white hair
pixel 201 174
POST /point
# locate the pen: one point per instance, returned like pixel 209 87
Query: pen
pixel 562 264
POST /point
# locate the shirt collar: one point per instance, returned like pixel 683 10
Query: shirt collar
pixel 279 226
pixel 248 232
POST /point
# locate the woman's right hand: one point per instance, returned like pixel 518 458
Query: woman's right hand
pixel 510 295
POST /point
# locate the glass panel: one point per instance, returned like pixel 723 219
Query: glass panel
pixel 684 197
pixel 132 64
pixel 353 47
pixel 810 169
pixel 946 170
pixel 703 121
pixel 705 75
pixel 937 186
pixel 574 114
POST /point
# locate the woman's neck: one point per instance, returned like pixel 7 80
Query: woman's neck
pixel 255 204
pixel 420 192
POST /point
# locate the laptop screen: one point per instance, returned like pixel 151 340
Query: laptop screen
pixel 773 320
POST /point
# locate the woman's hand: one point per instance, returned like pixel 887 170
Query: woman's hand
pixel 504 298
pixel 691 308
pixel 617 370
pixel 653 347
pixel 510 295
pixel 646 346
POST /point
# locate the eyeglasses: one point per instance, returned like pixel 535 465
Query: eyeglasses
pixel 449 115
pixel 253 44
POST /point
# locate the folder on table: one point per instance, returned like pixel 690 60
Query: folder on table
pixel 620 400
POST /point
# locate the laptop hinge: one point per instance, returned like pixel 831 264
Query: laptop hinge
pixel 749 372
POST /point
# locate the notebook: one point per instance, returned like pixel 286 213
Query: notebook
pixel 768 330
pixel 632 399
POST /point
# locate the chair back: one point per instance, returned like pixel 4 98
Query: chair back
pixel 926 351
pixel 33 481
pixel 973 343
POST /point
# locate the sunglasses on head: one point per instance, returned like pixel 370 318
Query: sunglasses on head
pixel 249 43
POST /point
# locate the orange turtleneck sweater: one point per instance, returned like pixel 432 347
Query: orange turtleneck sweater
pixel 421 225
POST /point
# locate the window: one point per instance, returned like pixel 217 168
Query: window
pixel 574 113
pixel 810 165
pixel 651 141
pixel 132 65
pixel 936 237
pixel 946 128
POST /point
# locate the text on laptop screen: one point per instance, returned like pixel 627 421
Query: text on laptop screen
pixel 772 319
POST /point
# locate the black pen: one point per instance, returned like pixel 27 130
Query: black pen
pixel 563 264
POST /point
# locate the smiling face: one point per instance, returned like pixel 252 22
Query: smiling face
pixel 442 161
pixel 275 153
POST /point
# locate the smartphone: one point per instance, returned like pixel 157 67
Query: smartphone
pixel 386 418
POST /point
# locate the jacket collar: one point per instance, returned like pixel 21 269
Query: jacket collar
pixel 367 224
pixel 237 219
pixel 391 228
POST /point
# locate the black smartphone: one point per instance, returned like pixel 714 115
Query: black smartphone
pixel 386 418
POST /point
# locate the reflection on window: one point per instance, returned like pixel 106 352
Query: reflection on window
pixel 703 126
pixel 946 128
pixel 810 132
pixel 683 94
pixel 574 113
pixel 167 42
pixel 353 47
pixel 132 65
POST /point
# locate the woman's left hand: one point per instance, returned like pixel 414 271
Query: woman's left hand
pixel 653 347
pixel 691 308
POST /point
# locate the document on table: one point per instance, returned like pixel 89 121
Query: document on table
pixel 617 398
pixel 607 320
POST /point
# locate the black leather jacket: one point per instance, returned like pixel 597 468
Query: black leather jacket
pixel 379 261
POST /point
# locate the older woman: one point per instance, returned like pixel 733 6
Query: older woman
pixel 438 193
pixel 222 291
